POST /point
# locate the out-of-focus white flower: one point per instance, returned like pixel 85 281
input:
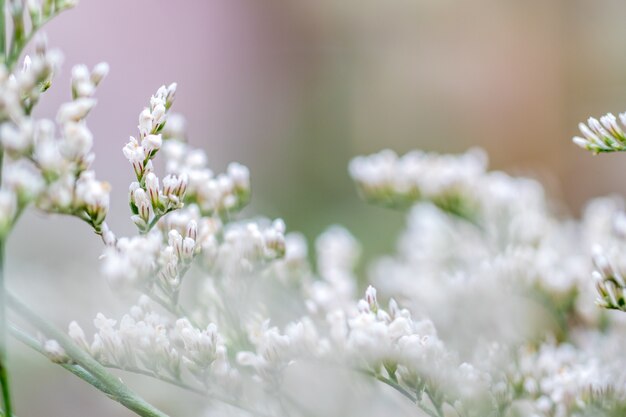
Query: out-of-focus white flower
pixel 93 195
pixel 8 210
pixel 75 111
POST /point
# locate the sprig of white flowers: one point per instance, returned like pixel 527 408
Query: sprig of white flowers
pixel 605 135
pixel 481 249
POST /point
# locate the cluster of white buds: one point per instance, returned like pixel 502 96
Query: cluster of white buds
pixel 21 90
pixel 245 246
pixel 152 201
pixel 337 254
pixel 37 73
pixel 221 194
pixel 380 336
pixel 65 161
pixel 175 259
pixel 144 339
pixel 84 82
pixel 131 261
pixel 92 198
pixel 609 278
pixel 204 353
pixel 605 135
pixel 273 353
pixel 293 268
pixel 560 378
pixel 447 180
pixel 141 340
pixel 54 170
pixel 149 200
pixel 24 180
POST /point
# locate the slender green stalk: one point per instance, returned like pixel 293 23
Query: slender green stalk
pixel 4 375
pixel 436 403
pixel 395 385
pixel 4 372
pixel 77 370
pixel 3 29
pixel 83 374
pixel 115 388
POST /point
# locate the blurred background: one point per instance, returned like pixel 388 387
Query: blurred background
pixel 294 89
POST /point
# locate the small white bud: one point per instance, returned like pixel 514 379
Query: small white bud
pixel 192 230
pixel 151 143
pixel 98 72
pixel 152 186
pixel 55 352
pixel 75 110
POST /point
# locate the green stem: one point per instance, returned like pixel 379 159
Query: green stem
pixel 13 56
pixel 436 403
pixel 113 386
pixel 77 370
pixel 4 372
pixel 3 29
pixel 395 385
pixel 83 374
pixel 389 382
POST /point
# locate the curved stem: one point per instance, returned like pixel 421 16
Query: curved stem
pixel 4 373
pixel 114 387
pixel 13 55
pixel 83 374
pixel 77 370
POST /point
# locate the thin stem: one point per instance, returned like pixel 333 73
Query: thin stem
pixel 115 388
pixel 435 402
pixel 185 386
pixel 77 370
pixel 83 374
pixel 3 29
pixel 4 372
pixel 395 385
pixel 391 383
pixel 175 309
pixel 13 56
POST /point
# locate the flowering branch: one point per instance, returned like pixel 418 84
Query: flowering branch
pixel 39 15
pixel 602 136
pixel 111 384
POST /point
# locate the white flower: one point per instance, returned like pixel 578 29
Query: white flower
pixel 17 139
pixel 77 141
pixel 93 195
pixel 131 260
pixel 24 180
pixel 151 143
pixel 75 110
pixel 98 72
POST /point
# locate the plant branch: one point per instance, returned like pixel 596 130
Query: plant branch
pixel 77 370
pixel 115 388
pixel 83 374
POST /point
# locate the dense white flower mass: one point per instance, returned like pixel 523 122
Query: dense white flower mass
pixel 485 309
pixel 496 295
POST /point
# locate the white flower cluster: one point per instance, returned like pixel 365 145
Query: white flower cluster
pixel 561 379
pixel 605 135
pixel 150 200
pixel 390 180
pixel 246 245
pixel 337 254
pixel 146 340
pixel 483 260
pixel 53 171
pixel 512 274
pixel 221 194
